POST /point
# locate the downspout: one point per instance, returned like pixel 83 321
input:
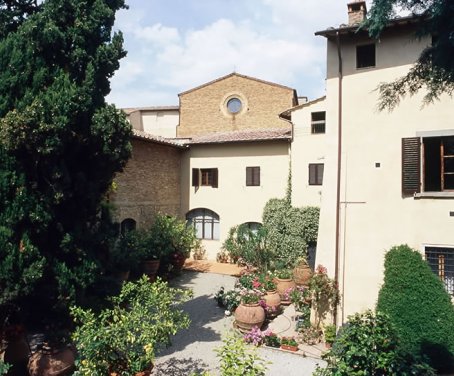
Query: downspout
pixel 339 165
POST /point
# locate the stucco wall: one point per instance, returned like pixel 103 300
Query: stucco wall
pixel 203 110
pixel 233 201
pixel 150 183
pixel 306 148
pixel 374 216
pixel 160 123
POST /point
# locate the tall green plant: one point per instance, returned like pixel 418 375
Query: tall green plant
pixel 124 339
pixel 419 307
pixel 60 146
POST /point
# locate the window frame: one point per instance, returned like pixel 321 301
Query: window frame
pixel 205 177
pixel 362 58
pixel 253 176
pixel 441 262
pixel 204 217
pixel 315 176
pixel 318 126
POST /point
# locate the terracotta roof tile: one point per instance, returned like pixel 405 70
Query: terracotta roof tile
pixel 250 135
pixel 158 139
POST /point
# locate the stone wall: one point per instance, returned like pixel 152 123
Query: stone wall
pixel 203 110
pixel 149 184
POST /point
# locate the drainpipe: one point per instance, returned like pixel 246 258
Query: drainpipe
pixel 339 165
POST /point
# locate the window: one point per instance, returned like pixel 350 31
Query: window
pixel 437 173
pixel 205 177
pixel 127 225
pixel 252 226
pixel 234 105
pixel 205 222
pixel 252 176
pixel 365 56
pixel 316 173
pixel 441 261
pixel 318 122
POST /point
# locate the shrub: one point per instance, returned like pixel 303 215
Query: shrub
pixel 4 367
pixel 248 247
pixel 239 360
pixel 124 338
pixel 289 230
pixel 419 307
pixel 368 345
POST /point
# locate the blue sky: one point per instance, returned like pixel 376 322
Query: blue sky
pixel 175 45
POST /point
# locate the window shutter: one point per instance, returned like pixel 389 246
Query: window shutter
pixel 249 176
pixel 195 177
pixel 411 166
pixel 257 176
pixel 312 174
pixel 320 167
pixel 215 178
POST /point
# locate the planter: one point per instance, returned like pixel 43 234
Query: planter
pixel 150 269
pixel 52 362
pixel 283 285
pixel 302 274
pixel 289 347
pixel 122 276
pixel 249 315
pixel 272 300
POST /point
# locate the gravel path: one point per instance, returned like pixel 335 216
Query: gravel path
pixel 192 349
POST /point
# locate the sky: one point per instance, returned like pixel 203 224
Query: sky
pixel 176 45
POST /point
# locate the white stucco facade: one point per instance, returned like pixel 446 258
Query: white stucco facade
pixel 374 214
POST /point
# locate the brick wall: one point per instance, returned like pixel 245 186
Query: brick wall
pixel 150 183
pixel 203 110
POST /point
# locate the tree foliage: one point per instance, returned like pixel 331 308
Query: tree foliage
pixel 60 143
pixel 434 69
pixel 419 307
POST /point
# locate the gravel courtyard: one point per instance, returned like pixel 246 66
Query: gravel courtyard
pixel 192 349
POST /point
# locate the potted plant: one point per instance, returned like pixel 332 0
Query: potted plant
pixel 123 339
pixel 249 313
pixel 329 332
pixel 284 282
pixel 124 255
pixel 302 273
pixel 289 343
pixel 271 297
pixel 272 340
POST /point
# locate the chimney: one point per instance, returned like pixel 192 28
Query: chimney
pixel 357 11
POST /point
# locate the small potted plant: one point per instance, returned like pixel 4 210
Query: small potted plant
pixel 272 340
pixel 329 332
pixel 123 255
pixel 289 343
pixel 249 313
pixel 284 282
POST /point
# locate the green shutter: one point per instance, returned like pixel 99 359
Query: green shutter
pixel 411 166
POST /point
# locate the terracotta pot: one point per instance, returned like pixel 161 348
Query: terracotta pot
pixel 249 315
pixel 282 285
pixel 57 362
pixel 289 348
pixel 150 268
pixel 122 276
pixel 302 274
pixel 273 300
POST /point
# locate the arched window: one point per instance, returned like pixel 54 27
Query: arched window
pixel 252 226
pixel 127 225
pixel 205 222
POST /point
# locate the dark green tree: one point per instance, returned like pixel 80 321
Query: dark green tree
pixel 419 308
pixel 60 145
pixel 434 69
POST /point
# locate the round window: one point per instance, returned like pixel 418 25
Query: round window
pixel 234 105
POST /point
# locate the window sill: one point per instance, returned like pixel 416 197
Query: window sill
pixel 434 195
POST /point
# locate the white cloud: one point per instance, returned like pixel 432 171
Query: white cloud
pixel 274 41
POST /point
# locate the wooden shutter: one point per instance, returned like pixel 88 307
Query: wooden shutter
pixel 320 167
pixel 257 176
pixel 411 166
pixel 312 174
pixel 248 176
pixel 215 178
pixel 195 177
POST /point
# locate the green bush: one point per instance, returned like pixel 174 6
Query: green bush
pixel 289 230
pixel 367 345
pixel 248 247
pixel 237 359
pixel 419 307
pixel 124 338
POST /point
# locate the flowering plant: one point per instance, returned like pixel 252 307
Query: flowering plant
pixel 324 293
pixel 289 341
pixel 250 296
pixel 228 299
pixel 257 337
pixel 269 310
pixel 272 339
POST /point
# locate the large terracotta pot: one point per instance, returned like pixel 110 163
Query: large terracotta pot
pixel 150 268
pixel 54 362
pixel 249 315
pixel 302 274
pixel 283 285
pixel 273 300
